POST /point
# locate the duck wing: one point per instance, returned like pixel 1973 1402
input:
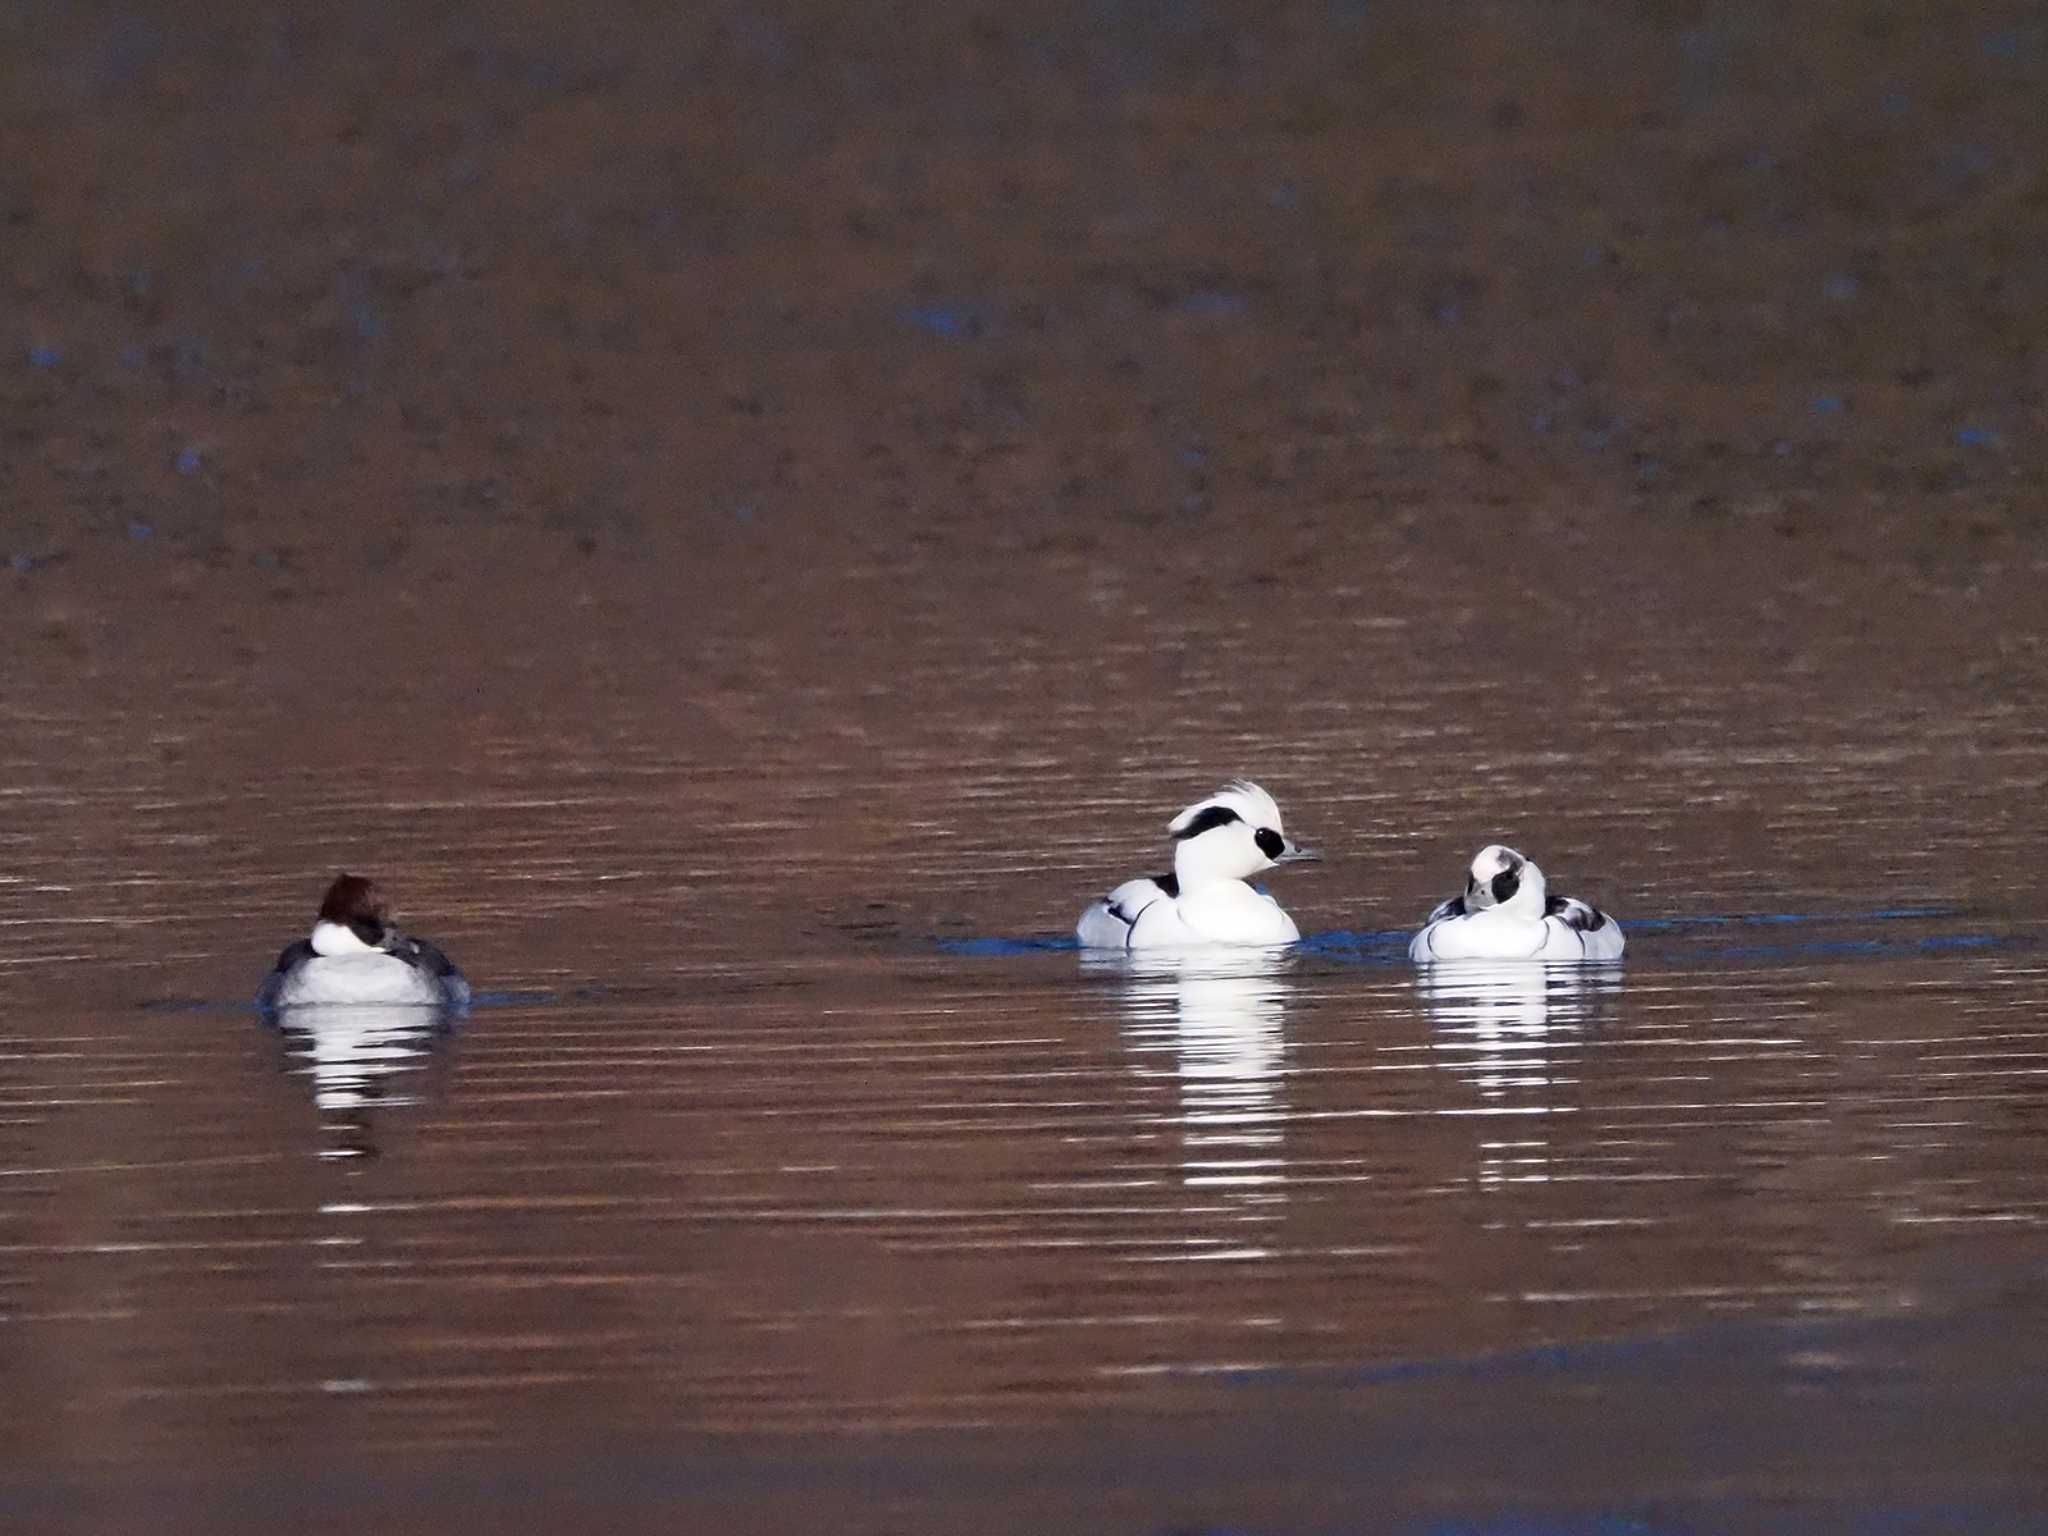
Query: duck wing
pixel 1455 907
pixel 1577 915
pixel 1134 896
pixel 1108 924
pixel 293 955
pixel 1599 936
pixel 422 955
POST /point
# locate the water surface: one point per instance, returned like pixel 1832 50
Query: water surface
pixel 744 524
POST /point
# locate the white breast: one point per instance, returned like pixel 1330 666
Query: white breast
pixel 1227 912
pixel 369 977
pixel 1498 935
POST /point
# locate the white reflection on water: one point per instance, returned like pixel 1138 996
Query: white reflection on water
pixel 1511 1028
pixel 1219 1016
pixel 357 1057
pixel 1499 1023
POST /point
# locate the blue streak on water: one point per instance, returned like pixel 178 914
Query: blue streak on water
pixel 1389 946
pixel 1214 304
pixel 1003 946
pixel 1659 1353
pixel 1382 947
pixel 950 322
pixel 1880 915
pixel 1547 1525
pixel 1934 942
pixel 509 997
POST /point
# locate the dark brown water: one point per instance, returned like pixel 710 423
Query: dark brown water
pixel 775 1117
pixel 746 522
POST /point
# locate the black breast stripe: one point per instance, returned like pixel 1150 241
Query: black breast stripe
pixel 1141 912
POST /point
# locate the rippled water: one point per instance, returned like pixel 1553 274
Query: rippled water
pixel 765 1124
pixel 745 518
pixel 787 1114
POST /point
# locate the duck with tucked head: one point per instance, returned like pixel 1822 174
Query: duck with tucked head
pixel 355 955
pixel 1508 913
pixel 1218 845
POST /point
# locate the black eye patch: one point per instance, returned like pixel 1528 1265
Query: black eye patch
pixel 1271 843
pixel 1506 883
pixel 1212 818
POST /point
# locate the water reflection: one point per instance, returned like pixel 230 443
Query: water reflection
pixel 1512 1028
pixel 1500 1023
pixel 359 1057
pixel 1218 1017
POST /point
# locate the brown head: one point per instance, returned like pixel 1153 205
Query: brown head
pixel 352 902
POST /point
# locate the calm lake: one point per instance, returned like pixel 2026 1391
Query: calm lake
pixel 745 518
